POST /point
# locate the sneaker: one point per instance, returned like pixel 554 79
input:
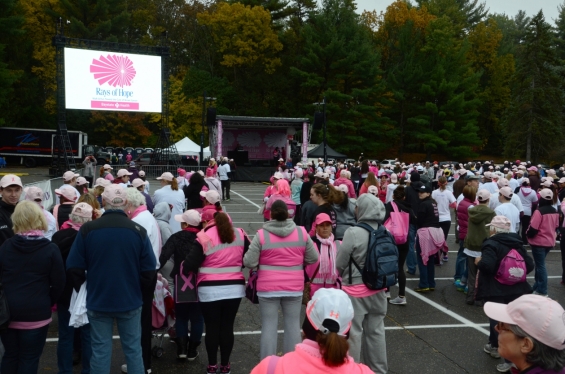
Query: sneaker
pixel 492 351
pixel 124 368
pixel 445 258
pixel 225 369
pixel 212 369
pixel 432 288
pixel 539 294
pixel 460 286
pixel 228 199
pixel 504 368
pixel 398 301
pixel 426 289
pixel 466 290
pixel 387 295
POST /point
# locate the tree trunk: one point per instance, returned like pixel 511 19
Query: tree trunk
pixel 530 124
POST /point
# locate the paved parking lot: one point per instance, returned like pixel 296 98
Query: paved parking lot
pixel 434 333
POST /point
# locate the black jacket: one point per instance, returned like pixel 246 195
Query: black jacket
pixel 428 215
pixel 192 195
pixel 63 213
pixel 6 224
pixel 184 246
pixel 403 206
pixel 64 239
pixel 305 192
pixel 412 196
pixel 33 277
pixel 494 249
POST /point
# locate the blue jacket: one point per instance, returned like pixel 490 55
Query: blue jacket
pixel 118 259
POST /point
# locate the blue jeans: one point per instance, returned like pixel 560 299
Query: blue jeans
pixel 129 329
pixel 540 283
pixel 461 264
pixel 427 272
pixel 411 257
pixel 185 312
pixel 65 344
pixel 23 349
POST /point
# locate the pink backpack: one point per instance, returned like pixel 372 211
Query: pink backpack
pixel 398 224
pixel 512 269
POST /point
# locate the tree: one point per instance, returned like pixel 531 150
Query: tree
pixel 121 129
pixel 533 122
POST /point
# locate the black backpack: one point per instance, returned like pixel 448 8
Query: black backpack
pixel 381 264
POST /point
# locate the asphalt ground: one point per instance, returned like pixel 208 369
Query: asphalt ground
pixel 435 332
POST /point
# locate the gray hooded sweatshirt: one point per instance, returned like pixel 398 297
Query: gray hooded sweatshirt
pixel 162 214
pixel 370 210
pixel 282 229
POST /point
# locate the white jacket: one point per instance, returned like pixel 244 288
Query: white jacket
pixel 176 199
pixel 149 223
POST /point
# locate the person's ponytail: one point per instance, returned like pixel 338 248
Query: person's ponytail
pixel 333 348
pixel 225 228
pixel 174 185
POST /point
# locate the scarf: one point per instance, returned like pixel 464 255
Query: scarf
pixel 328 252
pixel 71 225
pixel 191 229
pixel 32 233
pixel 141 208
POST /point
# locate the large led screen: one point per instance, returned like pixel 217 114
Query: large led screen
pixel 97 80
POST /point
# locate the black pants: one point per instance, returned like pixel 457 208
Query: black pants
pixel 562 247
pixel 402 253
pixel 225 189
pixel 525 221
pixel 219 317
pixel 146 325
pixel 445 226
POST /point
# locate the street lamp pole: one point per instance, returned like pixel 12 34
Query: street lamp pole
pixel 325 139
pixel 202 130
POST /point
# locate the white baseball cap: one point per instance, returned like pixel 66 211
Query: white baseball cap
pixel 211 196
pixel 191 216
pixel 69 175
pixel 167 176
pixel 330 304
pixel 123 172
pixel 10 180
pixel 137 182
pixel 101 182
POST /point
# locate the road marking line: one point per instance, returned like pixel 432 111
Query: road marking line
pixel 443 279
pixel 407 327
pixel 450 313
pixel 246 199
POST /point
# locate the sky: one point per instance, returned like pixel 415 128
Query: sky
pixel 510 7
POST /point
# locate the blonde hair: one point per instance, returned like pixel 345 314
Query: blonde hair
pixel 28 216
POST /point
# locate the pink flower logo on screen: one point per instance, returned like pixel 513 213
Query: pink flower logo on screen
pixel 114 70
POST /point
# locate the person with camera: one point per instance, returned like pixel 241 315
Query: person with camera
pixel 89 169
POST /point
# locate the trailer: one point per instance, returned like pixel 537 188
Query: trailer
pixel 37 146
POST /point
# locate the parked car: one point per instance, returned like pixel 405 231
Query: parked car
pixel 442 163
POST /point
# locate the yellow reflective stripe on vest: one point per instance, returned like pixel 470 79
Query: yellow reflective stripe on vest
pixel 272 267
pixel 229 269
pixel 269 245
pixel 238 242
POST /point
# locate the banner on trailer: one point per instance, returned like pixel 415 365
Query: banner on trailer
pixel 259 144
pixel 98 80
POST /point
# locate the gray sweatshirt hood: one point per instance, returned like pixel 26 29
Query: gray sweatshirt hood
pixel 280 228
pixel 370 208
pixel 162 212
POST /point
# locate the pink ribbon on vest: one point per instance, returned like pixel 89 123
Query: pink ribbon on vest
pixel 187 280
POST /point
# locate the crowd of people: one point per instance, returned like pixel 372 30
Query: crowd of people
pixel 310 251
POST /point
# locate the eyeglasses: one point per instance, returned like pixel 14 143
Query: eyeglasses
pixel 501 327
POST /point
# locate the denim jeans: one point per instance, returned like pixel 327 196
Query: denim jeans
pixel 65 344
pixel 411 257
pixel 461 264
pixel 129 329
pixel 540 283
pixel 185 312
pixel 23 349
pixel 427 272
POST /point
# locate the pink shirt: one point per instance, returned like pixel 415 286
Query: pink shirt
pixel 359 290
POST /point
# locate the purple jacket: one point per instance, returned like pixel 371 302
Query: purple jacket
pixel 463 217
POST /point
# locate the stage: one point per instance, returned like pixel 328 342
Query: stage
pixel 254 173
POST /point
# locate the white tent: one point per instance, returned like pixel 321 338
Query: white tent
pixel 187 147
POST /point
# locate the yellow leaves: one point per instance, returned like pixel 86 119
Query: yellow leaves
pixel 243 35
pixel 485 40
pixel 122 128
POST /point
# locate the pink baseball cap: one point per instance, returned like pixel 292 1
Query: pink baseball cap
pixel 137 182
pixel 373 190
pixel 208 214
pixel 101 182
pixel 115 195
pixel 526 180
pixel 562 180
pixel 321 218
pixel 181 172
pixel 107 166
pixel 124 172
pixel 69 175
pixel 10 180
pixel 547 183
pixel 501 222
pixel 33 193
pixel 343 188
pixel 67 193
pixel 539 316
pixel 483 195
pixel 502 182
pixel 167 176
pixel 81 181
pixel 211 196
pixel 506 192
pixel 278 175
pixel 82 210
pixel 546 194
pixel 532 168
pixel 394 178
pixel 192 217
pixel 330 304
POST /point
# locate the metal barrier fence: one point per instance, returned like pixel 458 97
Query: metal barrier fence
pixel 48 187
pixel 154 171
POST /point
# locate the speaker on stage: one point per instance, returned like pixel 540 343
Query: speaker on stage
pixel 318 121
pixel 211 117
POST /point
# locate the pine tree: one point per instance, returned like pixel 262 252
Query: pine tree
pixel 533 122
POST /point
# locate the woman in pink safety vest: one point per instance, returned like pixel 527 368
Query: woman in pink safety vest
pixel 280 249
pixel 282 193
pixel 221 284
pixel 325 346
pixel 270 190
pixel 323 273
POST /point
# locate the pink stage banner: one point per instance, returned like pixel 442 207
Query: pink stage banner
pixel 259 143
pixel 116 105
